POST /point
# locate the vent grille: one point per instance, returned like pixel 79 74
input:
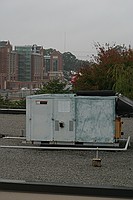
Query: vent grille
pixel 70 125
pixel 56 125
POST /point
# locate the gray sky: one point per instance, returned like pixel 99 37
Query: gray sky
pixel 67 25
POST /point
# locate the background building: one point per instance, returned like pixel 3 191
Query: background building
pixel 54 65
pixel 5 50
pixel 28 66
pixel 29 72
pixel 37 63
pixel 24 63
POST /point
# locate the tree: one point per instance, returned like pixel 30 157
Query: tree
pixel 112 68
pixel 54 87
pixel 20 104
pixel 116 66
pixel 124 80
pixel 49 51
pixel 70 62
pixel 5 102
pixel 1 101
pixel 86 78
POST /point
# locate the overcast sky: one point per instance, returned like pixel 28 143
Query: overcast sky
pixel 67 25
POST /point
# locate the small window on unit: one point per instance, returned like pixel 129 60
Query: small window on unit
pixel 43 102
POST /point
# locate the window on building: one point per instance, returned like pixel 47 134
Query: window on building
pixel 47 65
pixel 55 65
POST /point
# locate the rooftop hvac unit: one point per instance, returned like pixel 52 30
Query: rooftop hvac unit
pixel 71 119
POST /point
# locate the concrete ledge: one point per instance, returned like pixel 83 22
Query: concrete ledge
pixel 80 190
pixel 12 111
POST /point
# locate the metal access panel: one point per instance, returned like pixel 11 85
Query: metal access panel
pixel 39 124
pixel 95 119
pixel 64 119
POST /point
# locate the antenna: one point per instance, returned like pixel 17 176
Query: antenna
pixel 64 41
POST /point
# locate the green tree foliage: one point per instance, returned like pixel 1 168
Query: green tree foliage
pixel 21 104
pixel 1 101
pixel 48 52
pixel 86 78
pixel 70 62
pixel 54 87
pixel 112 68
pixel 6 103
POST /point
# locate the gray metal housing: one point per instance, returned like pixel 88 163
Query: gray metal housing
pixel 67 118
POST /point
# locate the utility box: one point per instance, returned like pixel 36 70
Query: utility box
pixel 70 119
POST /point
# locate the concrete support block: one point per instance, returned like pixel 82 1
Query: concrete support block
pixel 96 162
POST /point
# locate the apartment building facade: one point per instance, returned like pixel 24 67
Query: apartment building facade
pixel 5 50
pixel 29 71
pixel 27 66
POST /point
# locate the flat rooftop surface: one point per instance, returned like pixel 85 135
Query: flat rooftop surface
pixel 66 166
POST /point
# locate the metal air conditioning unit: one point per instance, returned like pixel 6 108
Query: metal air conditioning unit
pixel 72 119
